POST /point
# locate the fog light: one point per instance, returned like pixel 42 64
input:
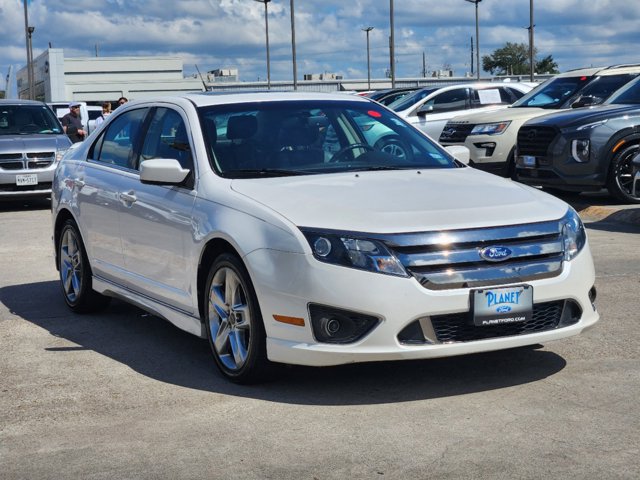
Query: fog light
pixel 489 148
pixel 334 325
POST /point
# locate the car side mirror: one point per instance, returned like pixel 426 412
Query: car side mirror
pixel 585 101
pixel 162 171
pixel 460 153
pixel 425 109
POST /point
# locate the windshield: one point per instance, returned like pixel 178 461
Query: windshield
pixel 28 119
pixel 554 93
pixel 313 137
pixel 410 100
pixel 628 95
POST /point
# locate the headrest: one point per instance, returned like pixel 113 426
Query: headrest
pixel 241 127
pixel 297 131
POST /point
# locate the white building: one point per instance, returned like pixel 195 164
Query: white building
pixel 98 79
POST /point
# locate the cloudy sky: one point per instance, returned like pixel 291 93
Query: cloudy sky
pixel 329 38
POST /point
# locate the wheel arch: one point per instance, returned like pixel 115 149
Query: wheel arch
pixel 621 139
pixel 212 249
pixel 63 216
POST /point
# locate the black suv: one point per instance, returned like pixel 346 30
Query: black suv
pixel 586 149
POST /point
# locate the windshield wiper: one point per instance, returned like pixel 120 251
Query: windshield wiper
pixel 262 172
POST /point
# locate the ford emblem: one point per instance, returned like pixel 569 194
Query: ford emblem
pixel 495 254
pixel 503 309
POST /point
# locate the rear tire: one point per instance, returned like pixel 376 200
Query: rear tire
pixel 234 325
pixel 75 272
pixel 621 173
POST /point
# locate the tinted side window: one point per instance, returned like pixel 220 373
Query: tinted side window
pixel 449 101
pixel 603 86
pixel 119 141
pixel 490 96
pixel 167 138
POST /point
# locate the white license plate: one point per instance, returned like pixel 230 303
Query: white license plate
pixel 500 306
pixel 528 161
pixel 27 179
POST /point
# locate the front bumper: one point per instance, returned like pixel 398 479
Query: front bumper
pixel 286 283
pixel 10 188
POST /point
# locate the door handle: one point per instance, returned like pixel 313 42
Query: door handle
pixel 128 197
pixel 78 182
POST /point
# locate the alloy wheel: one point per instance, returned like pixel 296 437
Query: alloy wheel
pixel 71 265
pixel 229 318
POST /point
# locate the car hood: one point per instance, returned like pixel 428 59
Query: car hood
pixel 502 115
pixel 402 201
pixel 33 143
pixel 585 116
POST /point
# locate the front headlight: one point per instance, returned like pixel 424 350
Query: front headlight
pixel 350 251
pixel 580 149
pixel 60 153
pixel 574 236
pixel 490 128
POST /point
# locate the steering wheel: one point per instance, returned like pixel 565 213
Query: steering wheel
pixel 353 146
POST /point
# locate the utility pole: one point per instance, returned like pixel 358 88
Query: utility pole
pixel 531 25
pixel 424 65
pixel 472 56
pixel 392 52
pixel 293 48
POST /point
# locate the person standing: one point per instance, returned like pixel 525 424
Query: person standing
pixel 106 111
pixel 72 124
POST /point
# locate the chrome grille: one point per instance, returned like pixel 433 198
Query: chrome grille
pixel 27 161
pixel 452 259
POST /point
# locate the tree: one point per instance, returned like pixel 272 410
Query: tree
pixel 513 59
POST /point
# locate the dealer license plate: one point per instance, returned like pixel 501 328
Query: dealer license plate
pixel 528 161
pixel 500 306
pixel 27 179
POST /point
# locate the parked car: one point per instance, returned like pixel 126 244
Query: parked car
pixel 31 144
pixel 268 224
pixel 390 95
pixel 430 108
pixel 586 149
pixel 491 136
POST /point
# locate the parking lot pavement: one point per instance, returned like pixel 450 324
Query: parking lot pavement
pixel 123 394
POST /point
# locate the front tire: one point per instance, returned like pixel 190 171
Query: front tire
pixel 234 325
pixel 622 173
pixel 75 272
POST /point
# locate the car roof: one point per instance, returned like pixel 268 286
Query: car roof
pixel 610 70
pixel 203 99
pixel 5 101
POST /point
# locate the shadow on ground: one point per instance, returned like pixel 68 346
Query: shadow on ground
pixel 159 350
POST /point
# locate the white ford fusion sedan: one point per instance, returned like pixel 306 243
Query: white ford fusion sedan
pixel 273 226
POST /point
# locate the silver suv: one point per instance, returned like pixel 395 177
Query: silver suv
pixel 31 144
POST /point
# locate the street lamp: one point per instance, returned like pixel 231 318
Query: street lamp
pixel 293 49
pixel 266 29
pixel 367 30
pixel 477 38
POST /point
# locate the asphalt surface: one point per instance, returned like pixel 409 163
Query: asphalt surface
pixel 124 395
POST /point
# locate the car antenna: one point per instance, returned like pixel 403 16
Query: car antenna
pixel 202 79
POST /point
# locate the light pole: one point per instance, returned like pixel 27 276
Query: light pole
pixel 392 52
pixel 266 29
pixel 293 48
pixel 531 25
pixel 28 33
pixel 367 30
pixel 477 38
